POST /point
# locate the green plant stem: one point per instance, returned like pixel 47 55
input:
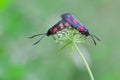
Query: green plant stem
pixel 84 60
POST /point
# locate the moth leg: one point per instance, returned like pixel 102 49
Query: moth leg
pixel 81 36
pixel 54 37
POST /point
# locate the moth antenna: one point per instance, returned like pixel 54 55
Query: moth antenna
pixel 39 39
pixel 36 35
pixel 96 37
pixel 93 39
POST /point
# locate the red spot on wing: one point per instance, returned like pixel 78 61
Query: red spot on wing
pixel 68 18
pixel 66 24
pixel 81 28
pixel 61 26
pixel 75 22
pixel 55 30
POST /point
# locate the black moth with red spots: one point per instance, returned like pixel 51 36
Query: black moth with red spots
pixel 74 23
pixel 53 30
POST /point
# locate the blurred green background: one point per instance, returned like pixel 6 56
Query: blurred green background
pixel 20 60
